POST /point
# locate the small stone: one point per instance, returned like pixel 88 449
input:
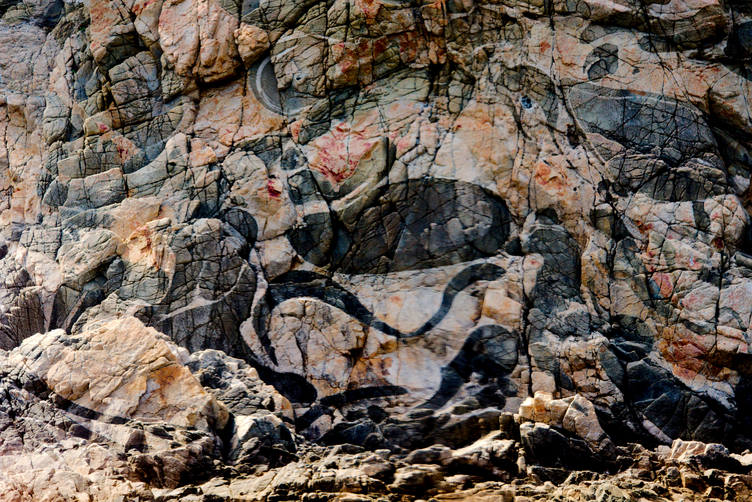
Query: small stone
pixel 692 481
pixel 506 495
pixel 611 493
pixel 714 492
pixel 673 476
pixel 433 454
pixel 416 478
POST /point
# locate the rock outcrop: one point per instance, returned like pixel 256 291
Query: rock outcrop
pixel 241 240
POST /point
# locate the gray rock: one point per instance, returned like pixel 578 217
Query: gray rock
pixel 97 190
pixel 416 478
pixel 436 454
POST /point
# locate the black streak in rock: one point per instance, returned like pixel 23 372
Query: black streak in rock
pixel 302 284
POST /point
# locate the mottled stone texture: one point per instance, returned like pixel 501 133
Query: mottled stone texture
pixel 375 222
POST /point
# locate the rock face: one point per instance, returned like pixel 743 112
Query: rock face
pixel 123 370
pixel 231 229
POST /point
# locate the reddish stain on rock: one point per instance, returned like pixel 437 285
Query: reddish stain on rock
pixel 273 190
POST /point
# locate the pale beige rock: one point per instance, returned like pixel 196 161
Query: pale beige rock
pixel 147 20
pixel 111 29
pixel 219 115
pixel 575 414
pixel 81 260
pixel 498 306
pixel 329 338
pixel 256 119
pixel 123 369
pixel 252 42
pixel 416 476
pixel 264 196
pixel 197 37
pixel 487 453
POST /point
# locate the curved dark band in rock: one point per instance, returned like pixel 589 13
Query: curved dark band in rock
pixel 304 284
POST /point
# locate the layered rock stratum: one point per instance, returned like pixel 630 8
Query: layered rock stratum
pixel 373 249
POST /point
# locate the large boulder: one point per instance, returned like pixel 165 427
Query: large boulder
pixel 123 370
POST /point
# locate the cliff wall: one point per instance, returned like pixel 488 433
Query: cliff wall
pixel 264 224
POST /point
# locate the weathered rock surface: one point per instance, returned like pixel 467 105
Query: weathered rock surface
pixel 122 369
pixel 484 242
